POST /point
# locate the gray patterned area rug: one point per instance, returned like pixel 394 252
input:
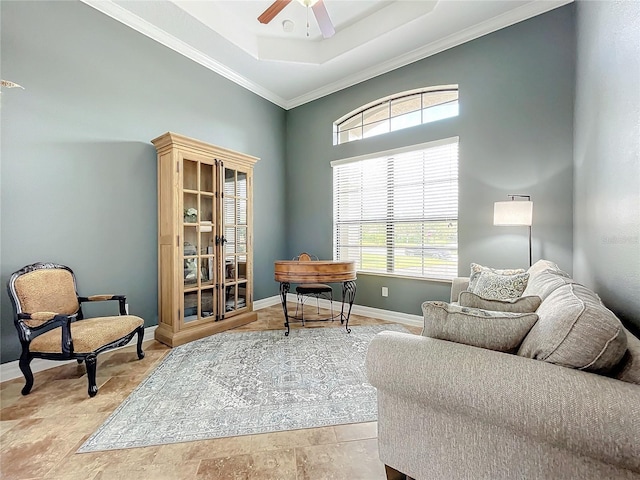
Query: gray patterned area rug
pixel 245 383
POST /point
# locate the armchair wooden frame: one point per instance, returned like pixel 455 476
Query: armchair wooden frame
pixel 100 334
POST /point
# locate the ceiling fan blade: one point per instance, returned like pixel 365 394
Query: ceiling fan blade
pixel 324 22
pixel 274 9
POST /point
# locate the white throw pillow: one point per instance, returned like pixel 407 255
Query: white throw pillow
pixel 477 269
pixel 500 287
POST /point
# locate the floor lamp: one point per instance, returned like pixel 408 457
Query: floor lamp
pixel 515 213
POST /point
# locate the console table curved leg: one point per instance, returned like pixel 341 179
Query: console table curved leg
pixel 284 289
pixel 348 294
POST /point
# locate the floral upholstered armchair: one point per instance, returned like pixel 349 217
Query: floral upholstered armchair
pixel 48 317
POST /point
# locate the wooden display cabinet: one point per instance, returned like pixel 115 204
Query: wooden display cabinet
pixel 205 254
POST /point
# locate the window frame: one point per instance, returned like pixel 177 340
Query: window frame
pixel 363 129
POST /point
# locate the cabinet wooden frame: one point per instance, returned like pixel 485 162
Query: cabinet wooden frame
pixel 205 239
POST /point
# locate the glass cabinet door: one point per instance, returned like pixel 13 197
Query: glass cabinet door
pixel 235 239
pixel 199 230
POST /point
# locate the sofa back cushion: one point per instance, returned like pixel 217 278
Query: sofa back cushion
pixel 576 330
pixel 500 331
pixel 544 278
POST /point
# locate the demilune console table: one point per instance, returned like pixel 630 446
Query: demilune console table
pixel 317 271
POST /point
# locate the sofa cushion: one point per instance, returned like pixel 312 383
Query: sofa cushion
pixel 494 286
pixel 477 269
pixel 628 370
pixel 542 266
pixel 544 278
pixel 501 331
pixel 576 330
pixel 515 305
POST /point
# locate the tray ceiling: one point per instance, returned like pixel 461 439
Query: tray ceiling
pixel 289 63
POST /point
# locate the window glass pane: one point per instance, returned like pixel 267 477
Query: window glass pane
pixel 242 212
pixel 242 267
pixel 350 135
pixel 431 99
pixel 230 240
pixel 229 211
pixel 206 307
pixel 190 176
pixel 405 121
pixel 352 122
pixel 377 128
pixel 229 182
pixel 405 105
pixel 440 112
pixel 207 177
pixel 375 114
pixel 242 185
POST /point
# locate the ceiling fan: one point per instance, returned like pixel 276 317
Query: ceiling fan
pixel 319 10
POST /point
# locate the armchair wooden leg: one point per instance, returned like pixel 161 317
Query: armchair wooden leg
pixel 25 367
pixel 91 361
pixel 393 474
pixel 140 339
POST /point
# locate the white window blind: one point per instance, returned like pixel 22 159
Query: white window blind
pixel 397 213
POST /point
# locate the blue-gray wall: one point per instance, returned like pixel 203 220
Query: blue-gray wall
pixel 607 154
pixel 516 136
pixel 78 171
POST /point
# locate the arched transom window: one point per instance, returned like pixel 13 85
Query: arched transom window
pixel 395 112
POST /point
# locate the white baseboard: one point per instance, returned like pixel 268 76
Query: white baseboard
pixel 266 302
pixel 388 315
pixel 11 370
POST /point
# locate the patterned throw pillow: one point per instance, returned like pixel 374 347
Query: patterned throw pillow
pixel 477 269
pixel 493 286
pixel 500 331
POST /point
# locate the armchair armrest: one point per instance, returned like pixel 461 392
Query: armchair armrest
pixel 458 285
pixel 34 324
pixel 122 299
pixel 583 412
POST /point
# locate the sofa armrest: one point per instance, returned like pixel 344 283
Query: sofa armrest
pixel 459 284
pixel 583 412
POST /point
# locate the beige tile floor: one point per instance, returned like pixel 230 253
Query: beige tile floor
pixel 41 432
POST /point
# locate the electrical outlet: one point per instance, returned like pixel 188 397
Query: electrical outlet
pixel 385 292
pixel 126 308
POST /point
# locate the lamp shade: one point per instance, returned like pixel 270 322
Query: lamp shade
pixel 513 213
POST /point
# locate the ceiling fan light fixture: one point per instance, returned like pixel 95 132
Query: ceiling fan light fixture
pixel 308 3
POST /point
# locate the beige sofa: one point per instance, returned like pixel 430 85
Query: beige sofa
pixel 449 410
